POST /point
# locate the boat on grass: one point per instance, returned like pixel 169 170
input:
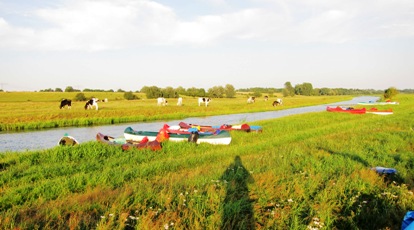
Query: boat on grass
pixel 346 110
pixel 217 138
pixel 388 102
pixel 67 140
pixel 240 127
pixel 380 112
pixel 143 144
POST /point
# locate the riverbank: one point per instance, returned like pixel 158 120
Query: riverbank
pixel 40 112
pixel 48 138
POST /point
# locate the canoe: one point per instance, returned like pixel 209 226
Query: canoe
pixel 239 127
pixel 218 138
pixel 346 110
pixel 379 103
pixel 67 140
pixel 380 112
pixel 143 144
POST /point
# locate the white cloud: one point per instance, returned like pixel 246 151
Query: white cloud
pixel 110 24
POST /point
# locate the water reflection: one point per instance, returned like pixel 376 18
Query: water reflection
pixel 237 205
pixel 49 138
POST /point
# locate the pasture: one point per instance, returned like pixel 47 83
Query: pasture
pixel 309 171
pixel 39 110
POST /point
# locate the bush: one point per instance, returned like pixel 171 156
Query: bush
pixel 390 93
pixel 80 97
pixel 130 96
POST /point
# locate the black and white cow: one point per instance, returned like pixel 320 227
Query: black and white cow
pixel 65 102
pixel 251 100
pixel 204 100
pixel 277 102
pixel 92 102
pixel 266 98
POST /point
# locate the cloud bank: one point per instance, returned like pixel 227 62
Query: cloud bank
pixel 94 25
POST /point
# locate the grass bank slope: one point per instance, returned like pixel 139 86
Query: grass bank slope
pixel 303 171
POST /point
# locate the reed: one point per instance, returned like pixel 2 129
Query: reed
pixel 304 171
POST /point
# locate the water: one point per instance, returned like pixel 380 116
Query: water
pixel 36 140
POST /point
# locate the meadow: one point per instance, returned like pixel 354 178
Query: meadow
pixel 309 171
pixel 40 110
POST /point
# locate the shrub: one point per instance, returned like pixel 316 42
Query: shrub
pixel 80 97
pixel 130 96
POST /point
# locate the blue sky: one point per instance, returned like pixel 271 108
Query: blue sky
pixel 128 44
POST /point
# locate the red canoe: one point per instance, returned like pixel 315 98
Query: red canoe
pixel 346 110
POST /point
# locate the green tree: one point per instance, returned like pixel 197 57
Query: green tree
pixel 169 92
pixel 152 91
pixel 216 92
pixel 69 89
pixel 288 90
pixel 390 93
pixel 229 91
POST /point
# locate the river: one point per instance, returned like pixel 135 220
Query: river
pixel 44 139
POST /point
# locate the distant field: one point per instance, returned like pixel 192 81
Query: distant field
pixel 308 171
pixel 38 110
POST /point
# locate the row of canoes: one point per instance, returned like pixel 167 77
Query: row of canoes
pixel 216 135
pixel 352 110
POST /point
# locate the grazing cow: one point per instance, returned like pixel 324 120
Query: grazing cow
pixel 161 101
pixel 92 102
pixel 66 102
pixel 277 102
pixel 180 101
pixel 204 100
pixel 266 98
pixel 251 100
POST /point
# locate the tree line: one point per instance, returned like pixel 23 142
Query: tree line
pixel 228 91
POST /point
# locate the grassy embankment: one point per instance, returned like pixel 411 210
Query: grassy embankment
pixel 310 170
pixel 38 110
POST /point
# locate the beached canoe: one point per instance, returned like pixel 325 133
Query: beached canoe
pixel 143 144
pixel 68 141
pixel 379 103
pixel 212 128
pixel 218 138
pixel 380 112
pixel 346 110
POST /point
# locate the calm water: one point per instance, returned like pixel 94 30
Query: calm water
pixel 35 140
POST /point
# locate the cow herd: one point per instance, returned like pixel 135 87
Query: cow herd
pixel 161 101
pixel 275 103
pixel 93 102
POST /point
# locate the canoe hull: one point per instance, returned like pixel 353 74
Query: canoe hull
pixel 222 138
pixel 339 109
pixel 240 127
pixel 68 141
pixel 143 144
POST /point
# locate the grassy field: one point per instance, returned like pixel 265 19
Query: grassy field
pixel 310 171
pixel 39 110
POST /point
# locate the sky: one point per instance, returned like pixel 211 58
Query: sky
pixel 128 44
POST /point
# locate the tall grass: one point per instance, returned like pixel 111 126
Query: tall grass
pixel 303 171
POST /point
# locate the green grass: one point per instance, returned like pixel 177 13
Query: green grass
pixel 310 170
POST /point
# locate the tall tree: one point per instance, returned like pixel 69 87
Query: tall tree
pixel 288 90
pixel 229 91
